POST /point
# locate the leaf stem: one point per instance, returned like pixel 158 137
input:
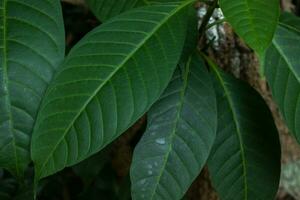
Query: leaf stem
pixel 220 21
pixel 209 13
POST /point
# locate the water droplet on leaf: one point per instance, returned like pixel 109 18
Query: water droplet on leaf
pixel 160 141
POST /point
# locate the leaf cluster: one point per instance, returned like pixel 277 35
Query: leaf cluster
pixel 58 110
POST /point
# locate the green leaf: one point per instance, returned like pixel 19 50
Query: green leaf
pixel 106 9
pixel 192 36
pixel 180 133
pixel 30 51
pixel 290 21
pixel 282 69
pixel 153 2
pixel 108 81
pixel 254 21
pixel 245 161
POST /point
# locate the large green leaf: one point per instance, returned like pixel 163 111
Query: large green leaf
pixel 245 161
pixel 253 20
pixel 191 38
pixel 107 82
pixel 282 69
pixel 106 9
pixel 290 21
pixel 180 134
pixel 31 48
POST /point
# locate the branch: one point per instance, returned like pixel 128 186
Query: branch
pixel 206 18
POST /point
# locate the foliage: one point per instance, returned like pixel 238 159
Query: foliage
pixel 247 142
pixel 283 72
pixel 58 110
pixel 178 134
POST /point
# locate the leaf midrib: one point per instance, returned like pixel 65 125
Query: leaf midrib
pixel 287 26
pixel 175 11
pixel 252 23
pixel 173 133
pixel 6 90
pixel 253 28
pixel 290 65
pixel 235 119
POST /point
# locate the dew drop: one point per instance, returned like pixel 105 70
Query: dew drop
pixel 160 141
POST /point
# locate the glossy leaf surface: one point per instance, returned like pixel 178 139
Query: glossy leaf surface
pixel 180 133
pixel 106 9
pixel 108 81
pixel 245 161
pixel 282 69
pixel 30 52
pixel 290 21
pixel 254 21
